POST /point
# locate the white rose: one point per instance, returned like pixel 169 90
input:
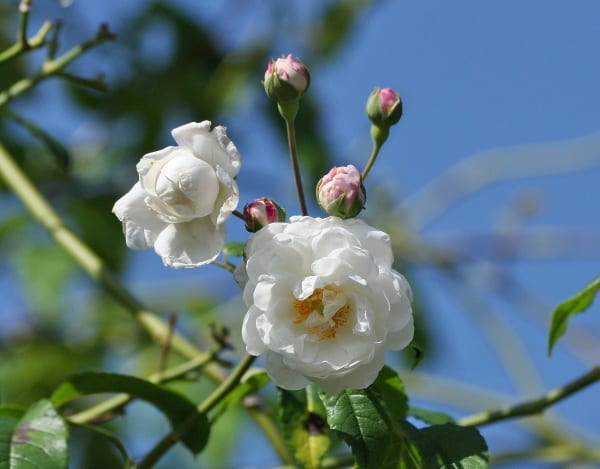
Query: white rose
pixel 324 303
pixel 183 197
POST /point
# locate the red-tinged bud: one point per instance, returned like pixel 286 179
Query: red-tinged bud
pixel 341 192
pixel 261 212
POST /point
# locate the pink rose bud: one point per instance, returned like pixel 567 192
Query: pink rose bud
pixel 384 107
pixel 261 212
pixel 341 192
pixel 286 79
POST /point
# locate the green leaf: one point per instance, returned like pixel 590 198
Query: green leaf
pixel 360 418
pixel 176 407
pixel 456 447
pixel 233 249
pixel 574 305
pixel 429 416
pixel 305 429
pixel 391 388
pixel 37 440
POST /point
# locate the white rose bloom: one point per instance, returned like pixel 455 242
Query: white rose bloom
pixel 324 303
pixel 183 197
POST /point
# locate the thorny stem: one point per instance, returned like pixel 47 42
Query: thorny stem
pixel 173 437
pixel 534 406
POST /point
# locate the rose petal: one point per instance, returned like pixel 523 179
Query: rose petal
pixel 283 376
pixel 190 244
pixel 140 225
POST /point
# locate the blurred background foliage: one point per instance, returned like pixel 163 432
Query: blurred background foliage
pixel 170 64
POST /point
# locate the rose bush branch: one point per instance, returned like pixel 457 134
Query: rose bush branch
pixel 535 406
pixel 52 67
pixel 173 437
pixel 20 46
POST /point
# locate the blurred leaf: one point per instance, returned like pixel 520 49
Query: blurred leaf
pixel 99 228
pixel 25 377
pixel 574 305
pixel 429 416
pixel 176 407
pixel 336 24
pixel 57 149
pixel 456 447
pixel 44 269
pixel 37 440
pixel 304 424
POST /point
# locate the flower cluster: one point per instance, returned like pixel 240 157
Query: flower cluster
pixel 323 301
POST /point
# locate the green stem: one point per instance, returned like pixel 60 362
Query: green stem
pixel 53 67
pixel 378 135
pixel 535 406
pixel 173 437
pixel 370 162
pixel 34 42
pixel 288 111
pixel 24 9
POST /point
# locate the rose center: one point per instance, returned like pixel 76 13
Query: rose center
pixel 323 312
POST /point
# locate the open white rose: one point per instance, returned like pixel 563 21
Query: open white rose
pixel 183 197
pixel 324 303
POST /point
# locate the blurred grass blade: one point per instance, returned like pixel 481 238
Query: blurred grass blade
pixel 57 149
pixel 574 305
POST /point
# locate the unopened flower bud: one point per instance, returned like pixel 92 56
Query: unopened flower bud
pixel 261 212
pixel 341 192
pixel 384 107
pixel 286 79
